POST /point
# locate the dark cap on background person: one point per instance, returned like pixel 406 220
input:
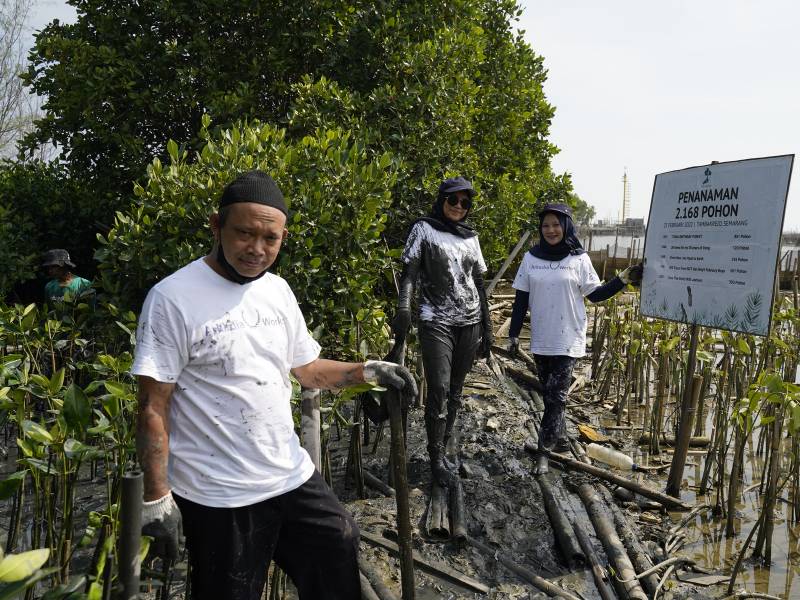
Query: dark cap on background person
pixel 57 257
pixel 253 186
pixel 456 184
pixel 558 208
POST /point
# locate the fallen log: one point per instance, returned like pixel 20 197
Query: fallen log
pixel 526 377
pixel 695 441
pixel 437 523
pixel 379 588
pixel 377 484
pixel 526 358
pixel 666 500
pixel 607 535
pixel 503 331
pixel 367 593
pixel 522 572
pixel 598 573
pixel 441 571
pixel 562 529
pixel 639 557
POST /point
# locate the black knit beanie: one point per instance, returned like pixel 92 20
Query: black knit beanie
pixel 253 186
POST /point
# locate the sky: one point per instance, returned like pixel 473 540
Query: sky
pixel 650 87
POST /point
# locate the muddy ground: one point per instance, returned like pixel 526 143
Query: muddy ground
pixel 503 499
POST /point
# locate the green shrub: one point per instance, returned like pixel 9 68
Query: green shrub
pixel 334 257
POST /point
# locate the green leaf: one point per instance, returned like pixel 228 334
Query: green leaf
pixel 742 346
pixel 14 590
pixel 36 432
pixel 14 567
pixel 57 381
pixel 77 409
pixel 120 390
pixel 10 485
pixel 63 591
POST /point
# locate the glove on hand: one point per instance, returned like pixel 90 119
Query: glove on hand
pixel 632 275
pixel 389 374
pixel 401 322
pixel 487 339
pixel 161 520
pixel 513 346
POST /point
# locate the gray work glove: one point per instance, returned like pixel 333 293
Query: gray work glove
pixel 390 374
pixel 632 274
pixel 161 520
pixel 513 346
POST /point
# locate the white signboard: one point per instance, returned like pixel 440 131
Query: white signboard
pixel 713 238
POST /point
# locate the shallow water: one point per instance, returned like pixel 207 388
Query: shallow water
pixel 705 535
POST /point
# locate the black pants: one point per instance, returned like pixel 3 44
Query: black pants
pixel 555 373
pixel 307 532
pixel 448 353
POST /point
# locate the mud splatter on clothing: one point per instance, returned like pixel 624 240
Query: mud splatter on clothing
pixel 446 264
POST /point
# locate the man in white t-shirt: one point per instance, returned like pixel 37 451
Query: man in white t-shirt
pixel 216 343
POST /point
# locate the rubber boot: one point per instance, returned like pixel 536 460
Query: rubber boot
pixel 441 471
pixel 542 464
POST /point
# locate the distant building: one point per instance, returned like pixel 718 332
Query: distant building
pixel 634 222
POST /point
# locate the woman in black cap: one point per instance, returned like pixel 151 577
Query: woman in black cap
pixel 552 281
pixel 443 253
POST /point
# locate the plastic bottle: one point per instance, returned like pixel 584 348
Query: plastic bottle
pixel 612 457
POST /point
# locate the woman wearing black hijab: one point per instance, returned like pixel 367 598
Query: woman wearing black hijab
pixel 442 253
pixel 552 281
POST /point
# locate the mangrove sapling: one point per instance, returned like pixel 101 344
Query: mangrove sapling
pixel 718 429
pixel 743 418
pixel 763 544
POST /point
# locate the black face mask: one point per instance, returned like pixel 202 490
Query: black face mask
pixel 233 273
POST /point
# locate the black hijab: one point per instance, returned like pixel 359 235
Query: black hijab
pixel 569 244
pixel 439 222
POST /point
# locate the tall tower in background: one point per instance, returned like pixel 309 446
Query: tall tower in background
pixel 626 197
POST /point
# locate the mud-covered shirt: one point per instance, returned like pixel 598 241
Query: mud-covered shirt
pixel 445 263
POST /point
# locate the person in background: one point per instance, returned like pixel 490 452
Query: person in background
pixel 216 343
pixel 63 282
pixel 443 255
pixel 552 281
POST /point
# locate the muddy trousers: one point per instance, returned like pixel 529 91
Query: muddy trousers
pixel 306 531
pixel 555 374
pixel 448 353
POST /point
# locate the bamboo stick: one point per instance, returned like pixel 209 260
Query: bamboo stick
pixel 562 529
pixel 525 574
pixel 379 588
pixel 611 542
pixel 666 500
pixel 377 484
pixel 400 481
pixel 436 522
pixel 438 570
pixel 598 573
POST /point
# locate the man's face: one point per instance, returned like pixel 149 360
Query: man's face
pixel 55 271
pixel 251 236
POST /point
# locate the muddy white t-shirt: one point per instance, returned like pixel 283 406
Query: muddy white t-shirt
pixel 228 348
pixel 558 312
pixel 445 263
